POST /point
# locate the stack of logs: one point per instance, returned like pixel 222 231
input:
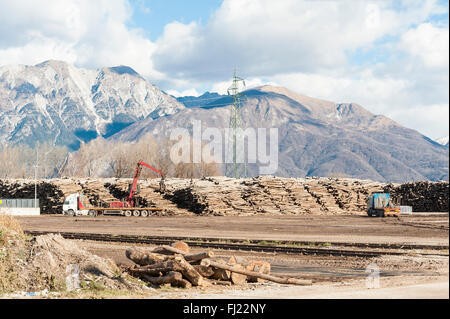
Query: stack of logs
pixel 227 196
pixel 50 197
pixel 423 196
pixel 275 196
pixel 175 265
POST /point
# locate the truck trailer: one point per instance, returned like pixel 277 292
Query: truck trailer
pixel 73 203
pixel 73 206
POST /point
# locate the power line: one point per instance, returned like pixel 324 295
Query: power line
pixel 236 169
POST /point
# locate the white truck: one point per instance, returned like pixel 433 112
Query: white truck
pixel 73 206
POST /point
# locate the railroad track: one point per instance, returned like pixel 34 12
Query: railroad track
pixel 233 244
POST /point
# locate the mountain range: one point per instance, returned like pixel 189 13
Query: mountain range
pixel 55 101
pixel 67 105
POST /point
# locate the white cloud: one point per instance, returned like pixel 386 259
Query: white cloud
pixel 263 37
pixel 189 92
pixel 306 46
pixel 86 33
pixel 432 119
pixel 429 43
pixel 222 86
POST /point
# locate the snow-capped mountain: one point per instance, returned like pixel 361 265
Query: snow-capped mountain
pixel 55 101
pixel 443 141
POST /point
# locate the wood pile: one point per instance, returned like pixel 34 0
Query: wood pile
pixel 423 196
pixel 150 190
pixel 177 266
pixel 351 195
pixel 326 201
pixel 50 197
pixel 227 196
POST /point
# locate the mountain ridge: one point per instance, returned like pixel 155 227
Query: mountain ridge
pixel 318 137
pixel 56 101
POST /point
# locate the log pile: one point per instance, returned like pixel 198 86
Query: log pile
pixel 50 197
pixel 227 196
pixel 177 266
pixel 423 196
pixel 351 195
pixel 275 196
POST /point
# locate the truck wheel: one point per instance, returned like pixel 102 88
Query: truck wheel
pixel 92 213
pixel 136 213
pixel 144 213
pixel 71 212
pixel 128 213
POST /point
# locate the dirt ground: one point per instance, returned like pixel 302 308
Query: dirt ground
pixel 333 277
pixel 430 229
pixel 411 276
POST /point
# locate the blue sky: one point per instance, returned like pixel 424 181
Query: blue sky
pixel 153 15
pixel 391 57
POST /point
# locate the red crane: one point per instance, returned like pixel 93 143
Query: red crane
pixel 130 200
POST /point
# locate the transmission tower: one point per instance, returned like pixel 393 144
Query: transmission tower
pixel 237 168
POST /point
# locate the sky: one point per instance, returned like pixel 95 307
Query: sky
pixel 391 57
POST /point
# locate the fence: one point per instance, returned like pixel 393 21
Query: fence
pixel 406 209
pixel 19 203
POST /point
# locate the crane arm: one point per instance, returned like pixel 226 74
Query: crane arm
pixel 136 178
pixel 152 168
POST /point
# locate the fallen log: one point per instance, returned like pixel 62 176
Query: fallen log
pixel 238 270
pixel 161 268
pixel 170 278
pixel 143 258
pixel 262 267
pixel 238 278
pixel 177 264
pixel 183 283
pixel 149 272
pixel 204 270
pixel 166 264
pixel 222 274
pixel 189 272
pixel 196 257
pixel 181 245
pixel 169 250
pixel 188 257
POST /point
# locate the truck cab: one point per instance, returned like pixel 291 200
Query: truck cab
pixel 73 206
pixel 379 204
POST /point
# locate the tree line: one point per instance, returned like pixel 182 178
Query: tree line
pixel 98 158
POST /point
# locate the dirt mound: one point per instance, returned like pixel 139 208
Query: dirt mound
pixel 54 263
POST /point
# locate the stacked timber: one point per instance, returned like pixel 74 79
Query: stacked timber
pixel 218 196
pixel 227 196
pixel 327 203
pixel 423 196
pixel 177 266
pixel 50 197
pixel 351 195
